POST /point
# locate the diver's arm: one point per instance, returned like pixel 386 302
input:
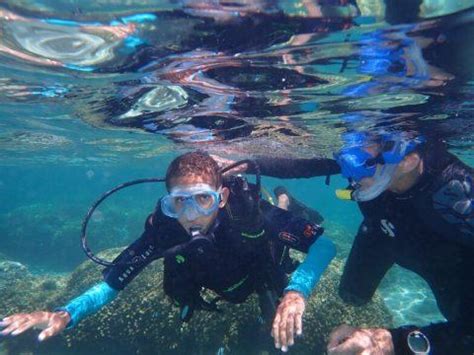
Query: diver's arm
pixel 285 168
pixel 55 322
pixel 89 302
pixel 453 204
pixel 309 272
pixel 300 234
pixel 92 300
pixel 288 320
pixel 116 277
pixel 130 262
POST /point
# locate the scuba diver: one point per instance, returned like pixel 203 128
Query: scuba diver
pixel 214 233
pixel 417 200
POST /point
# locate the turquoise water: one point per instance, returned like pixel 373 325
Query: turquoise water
pixel 128 86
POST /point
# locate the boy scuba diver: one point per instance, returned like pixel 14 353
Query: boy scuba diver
pixel 213 233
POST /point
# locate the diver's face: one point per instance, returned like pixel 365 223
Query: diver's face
pixel 381 176
pixel 190 221
pixel 403 177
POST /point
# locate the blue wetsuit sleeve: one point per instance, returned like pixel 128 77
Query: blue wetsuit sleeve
pixel 89 302
pixel 308 273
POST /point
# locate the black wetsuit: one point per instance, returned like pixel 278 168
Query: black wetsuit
pixel 428 230
pixel 242 254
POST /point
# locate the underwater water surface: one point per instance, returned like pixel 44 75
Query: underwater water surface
pixel 93 94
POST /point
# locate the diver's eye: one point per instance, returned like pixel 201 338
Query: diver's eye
pixel 204 200
pixel 369 163
pixel 179 201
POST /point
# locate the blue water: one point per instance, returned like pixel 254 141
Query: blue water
pixel 93 94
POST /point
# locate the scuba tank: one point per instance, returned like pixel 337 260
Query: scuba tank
pixel 243 207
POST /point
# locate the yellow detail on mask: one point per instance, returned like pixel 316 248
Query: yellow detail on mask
pixel 345 194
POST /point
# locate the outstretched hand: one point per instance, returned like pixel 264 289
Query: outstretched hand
pixel 347 340
pixel 288 320
pixel 52 322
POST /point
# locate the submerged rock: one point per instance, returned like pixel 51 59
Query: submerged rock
pixel 11 272
pixel 143 321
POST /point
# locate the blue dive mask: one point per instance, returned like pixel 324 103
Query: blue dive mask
pixel 356 164
pixel 191 202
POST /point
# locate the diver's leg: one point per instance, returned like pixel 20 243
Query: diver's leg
pixel 287 202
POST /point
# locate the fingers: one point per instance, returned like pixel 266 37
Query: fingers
pixel 57 324
pixel 282 331
pixel 339 335
pixel 23 327
pixel 294 325
pixel 299 324
pixel 14 325
pixel 5 321
pixel 286 328
pixel 275 329
pixel 19 323
pixel 353 345
pixel 8 320
pixel 11 323
pixel 359 342
pixel 290 329
pixel 49 332
pixel 288 320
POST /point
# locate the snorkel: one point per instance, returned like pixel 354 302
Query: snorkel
pixel 380 181
pixel 370 166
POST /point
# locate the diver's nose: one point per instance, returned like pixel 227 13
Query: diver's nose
pixel 191 214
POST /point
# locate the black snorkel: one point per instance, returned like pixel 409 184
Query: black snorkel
pixel 107 194
pixel 94 206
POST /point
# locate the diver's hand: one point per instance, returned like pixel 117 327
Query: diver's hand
pixel 288 320
pixel 52 322
pixel 223 162
pixel 347 340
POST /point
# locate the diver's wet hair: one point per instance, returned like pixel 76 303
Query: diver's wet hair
pixel 199 164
